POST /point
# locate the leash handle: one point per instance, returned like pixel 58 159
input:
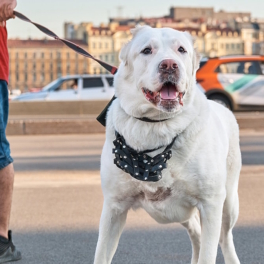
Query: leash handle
pixel 71 45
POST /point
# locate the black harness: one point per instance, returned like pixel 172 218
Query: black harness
pixel 138 163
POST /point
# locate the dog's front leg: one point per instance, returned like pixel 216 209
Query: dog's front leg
pixel 211 218
pixel 111 226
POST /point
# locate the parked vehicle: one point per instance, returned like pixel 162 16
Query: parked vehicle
pixel 14 93
pixel 237 82
pixel 74 87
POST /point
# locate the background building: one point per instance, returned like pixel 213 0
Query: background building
pixel 34 63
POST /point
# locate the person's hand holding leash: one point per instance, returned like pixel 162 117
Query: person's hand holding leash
pixel 6 10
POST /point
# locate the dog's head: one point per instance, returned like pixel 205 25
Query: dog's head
pixel 157 71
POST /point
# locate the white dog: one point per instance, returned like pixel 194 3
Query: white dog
pixel 156 81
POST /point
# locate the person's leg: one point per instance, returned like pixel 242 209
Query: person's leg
pixel 8 251
pixel 6 190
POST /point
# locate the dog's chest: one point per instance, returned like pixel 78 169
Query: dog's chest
pixel 172 201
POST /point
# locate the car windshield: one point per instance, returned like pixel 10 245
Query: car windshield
pixel 51 85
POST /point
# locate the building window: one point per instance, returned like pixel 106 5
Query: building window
pixel 26 66
pixel 68 55
pixel 34 77
pixel 34 55
pixel 238 46
pixel 94 70
pixel 34 66
pixel 58 55
pixel 42 77
pixel 94 45
pixel 59 67
pixel 17 77
pixel 233 46
pixel 68 68
pixel 51 76
pixel 100 45
pixel 222 46
pixel 227 46
pixel 51 55
pixel 43 67
pixel 106 45
pixel 26 77
pixel 25 55
pixel 17 55
pixel 42 55
pixel 85 66
pixel 106 57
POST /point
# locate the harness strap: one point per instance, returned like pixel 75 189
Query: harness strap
pixel 138 163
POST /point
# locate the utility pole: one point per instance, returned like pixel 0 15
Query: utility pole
pixel 120 11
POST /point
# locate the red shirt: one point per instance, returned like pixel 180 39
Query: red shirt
pixel 4 64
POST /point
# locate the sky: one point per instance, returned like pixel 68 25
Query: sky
pixel 53 13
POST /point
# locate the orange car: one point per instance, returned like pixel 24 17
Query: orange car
pixel 234 81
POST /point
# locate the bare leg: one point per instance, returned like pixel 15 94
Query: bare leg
pixel 193 227
pixel 111 226
pixel 6 191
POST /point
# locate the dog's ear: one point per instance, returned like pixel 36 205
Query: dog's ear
pixel 196 56
pixel 138 28
pixel 196 60
pixel 125 49
pixel 123 56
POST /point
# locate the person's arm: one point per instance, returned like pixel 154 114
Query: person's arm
pixel 6 10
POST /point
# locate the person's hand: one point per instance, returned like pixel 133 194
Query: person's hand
pixel 6 10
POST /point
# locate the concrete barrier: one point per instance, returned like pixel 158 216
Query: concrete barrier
pixel 79 117
pixel 56 108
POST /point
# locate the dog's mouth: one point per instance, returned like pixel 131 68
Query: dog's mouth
pixel 167 95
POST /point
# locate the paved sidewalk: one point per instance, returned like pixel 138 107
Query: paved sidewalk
pixel 58 201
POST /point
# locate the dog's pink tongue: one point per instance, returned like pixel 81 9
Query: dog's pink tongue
pixel 168 92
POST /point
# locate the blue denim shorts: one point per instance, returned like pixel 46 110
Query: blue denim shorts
pixel 5 158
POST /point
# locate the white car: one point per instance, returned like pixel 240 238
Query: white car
pixel 74 87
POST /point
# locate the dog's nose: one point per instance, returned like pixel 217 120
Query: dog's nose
pixel 168 65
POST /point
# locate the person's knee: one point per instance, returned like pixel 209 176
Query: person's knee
pixel 7 175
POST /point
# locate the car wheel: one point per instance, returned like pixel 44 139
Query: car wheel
pixel 221 99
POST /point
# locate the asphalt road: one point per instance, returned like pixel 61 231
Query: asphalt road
pixel 58 201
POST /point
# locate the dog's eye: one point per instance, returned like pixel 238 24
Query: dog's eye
pixel 182 50
pixel 146 51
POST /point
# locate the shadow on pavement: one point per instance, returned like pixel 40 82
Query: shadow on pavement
pixel 135 247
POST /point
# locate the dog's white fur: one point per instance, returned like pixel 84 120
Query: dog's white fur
pixel 203 172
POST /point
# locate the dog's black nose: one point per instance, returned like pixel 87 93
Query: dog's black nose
pixel 168 65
